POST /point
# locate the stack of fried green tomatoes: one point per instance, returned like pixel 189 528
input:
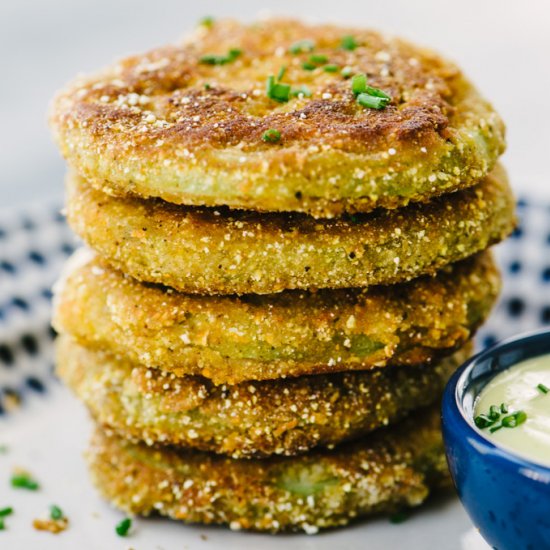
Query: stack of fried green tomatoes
pixel 287 229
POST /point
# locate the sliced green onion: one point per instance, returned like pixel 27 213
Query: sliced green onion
pixel 207 86
pixel 211 59
pixel 8 511
pixel 123 527
pixel 24 481
pixel 282 72
pixel 483 421
pixel 307 66
pixel 271 136
pixel 56 512
pixel 514 419
pixel 495 428
pixel 366 100
pixel 359 83
pixel 207 21
pixel 504 408
pixel 277 91
pixel 318 58
pixel 494 412
pixel 302 46
pixel 377 92
pixel 330 68
pixel 542 388
pixel 348 43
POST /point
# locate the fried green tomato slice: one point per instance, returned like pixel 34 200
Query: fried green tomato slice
pixel 285 417
pixel 229 339
pixel 188 122
pixel 392 468
pixel 206 251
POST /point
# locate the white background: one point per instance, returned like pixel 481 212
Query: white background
pixel 504 46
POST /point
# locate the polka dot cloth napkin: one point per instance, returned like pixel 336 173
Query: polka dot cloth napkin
pixel 35 243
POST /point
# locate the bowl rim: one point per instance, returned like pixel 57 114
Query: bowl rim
pixel 454 392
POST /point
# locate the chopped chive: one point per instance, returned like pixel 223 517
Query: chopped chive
pixel 495 428
pixel 302 46
pixel 281 74
pixel 483 421
pixel 377 92
pixel 514 419
pixel 3 449
pixel 330 68
pixel 277 91
pixel 211 59
pixel 207 86
pixel 348 43
pixel 504 408
pixel 123 527
pixel 359 83
pixel 543 388
pixel 366 100
pixel 56 512
pixel 346 72
pixel 494 412
pixel 271 136
pixel 2 525
pixel 318 58
pixel 24 481
pixel 300 91
pixel 207 21
pixel 307 66
pixel 8 511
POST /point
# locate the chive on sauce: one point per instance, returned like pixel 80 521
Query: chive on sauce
pixel 513 410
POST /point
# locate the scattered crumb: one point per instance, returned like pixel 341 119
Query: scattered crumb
pixel 54 526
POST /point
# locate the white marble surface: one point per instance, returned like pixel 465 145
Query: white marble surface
pixel 502 44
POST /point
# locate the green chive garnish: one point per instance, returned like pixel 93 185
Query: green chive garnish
pixel 302 46
pixel 207 21
pixel 377 92
pixel 2 526
pixel 123 527
pixel 504 408
pixel 494 412
pixel 318 58
pixel 3 449
pixel 271 136
pixel 211 59
pixel 330 68
pixel 56 512
pixel 542 388
pixel 348 43
pixel 514 419
pixel 282 72
pixel 366 100
pixel 307 66
pixel 359 84
pixel 277 91
pixel 300 90
pixel 8 511
pixel 207 86
pixel 24 481
pixel 483 421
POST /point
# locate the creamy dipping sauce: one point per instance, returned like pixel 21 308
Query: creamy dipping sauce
pixel 514 409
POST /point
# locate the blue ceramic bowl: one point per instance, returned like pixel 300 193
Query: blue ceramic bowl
pixel 507 496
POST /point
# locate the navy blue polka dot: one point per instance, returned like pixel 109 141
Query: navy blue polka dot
pixel 545 315
pixel 35 384
pixel 67 249
pixel 545 275
pixel 516 306
pixel 6 355
pixel 518 233
pixel 2 233
pixel 36 257
pixel 28 224
pixel 489 340
pixel 52 332
pixel 522 202
pixel 20 303
pixel 29 344
pixel 8 267
pixel 46 293
pixel 514 267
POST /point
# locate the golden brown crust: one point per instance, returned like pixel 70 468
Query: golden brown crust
pixel 387 470
pixel 206 251
pixel 230 339
pixel 251 419
pixel 148 125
